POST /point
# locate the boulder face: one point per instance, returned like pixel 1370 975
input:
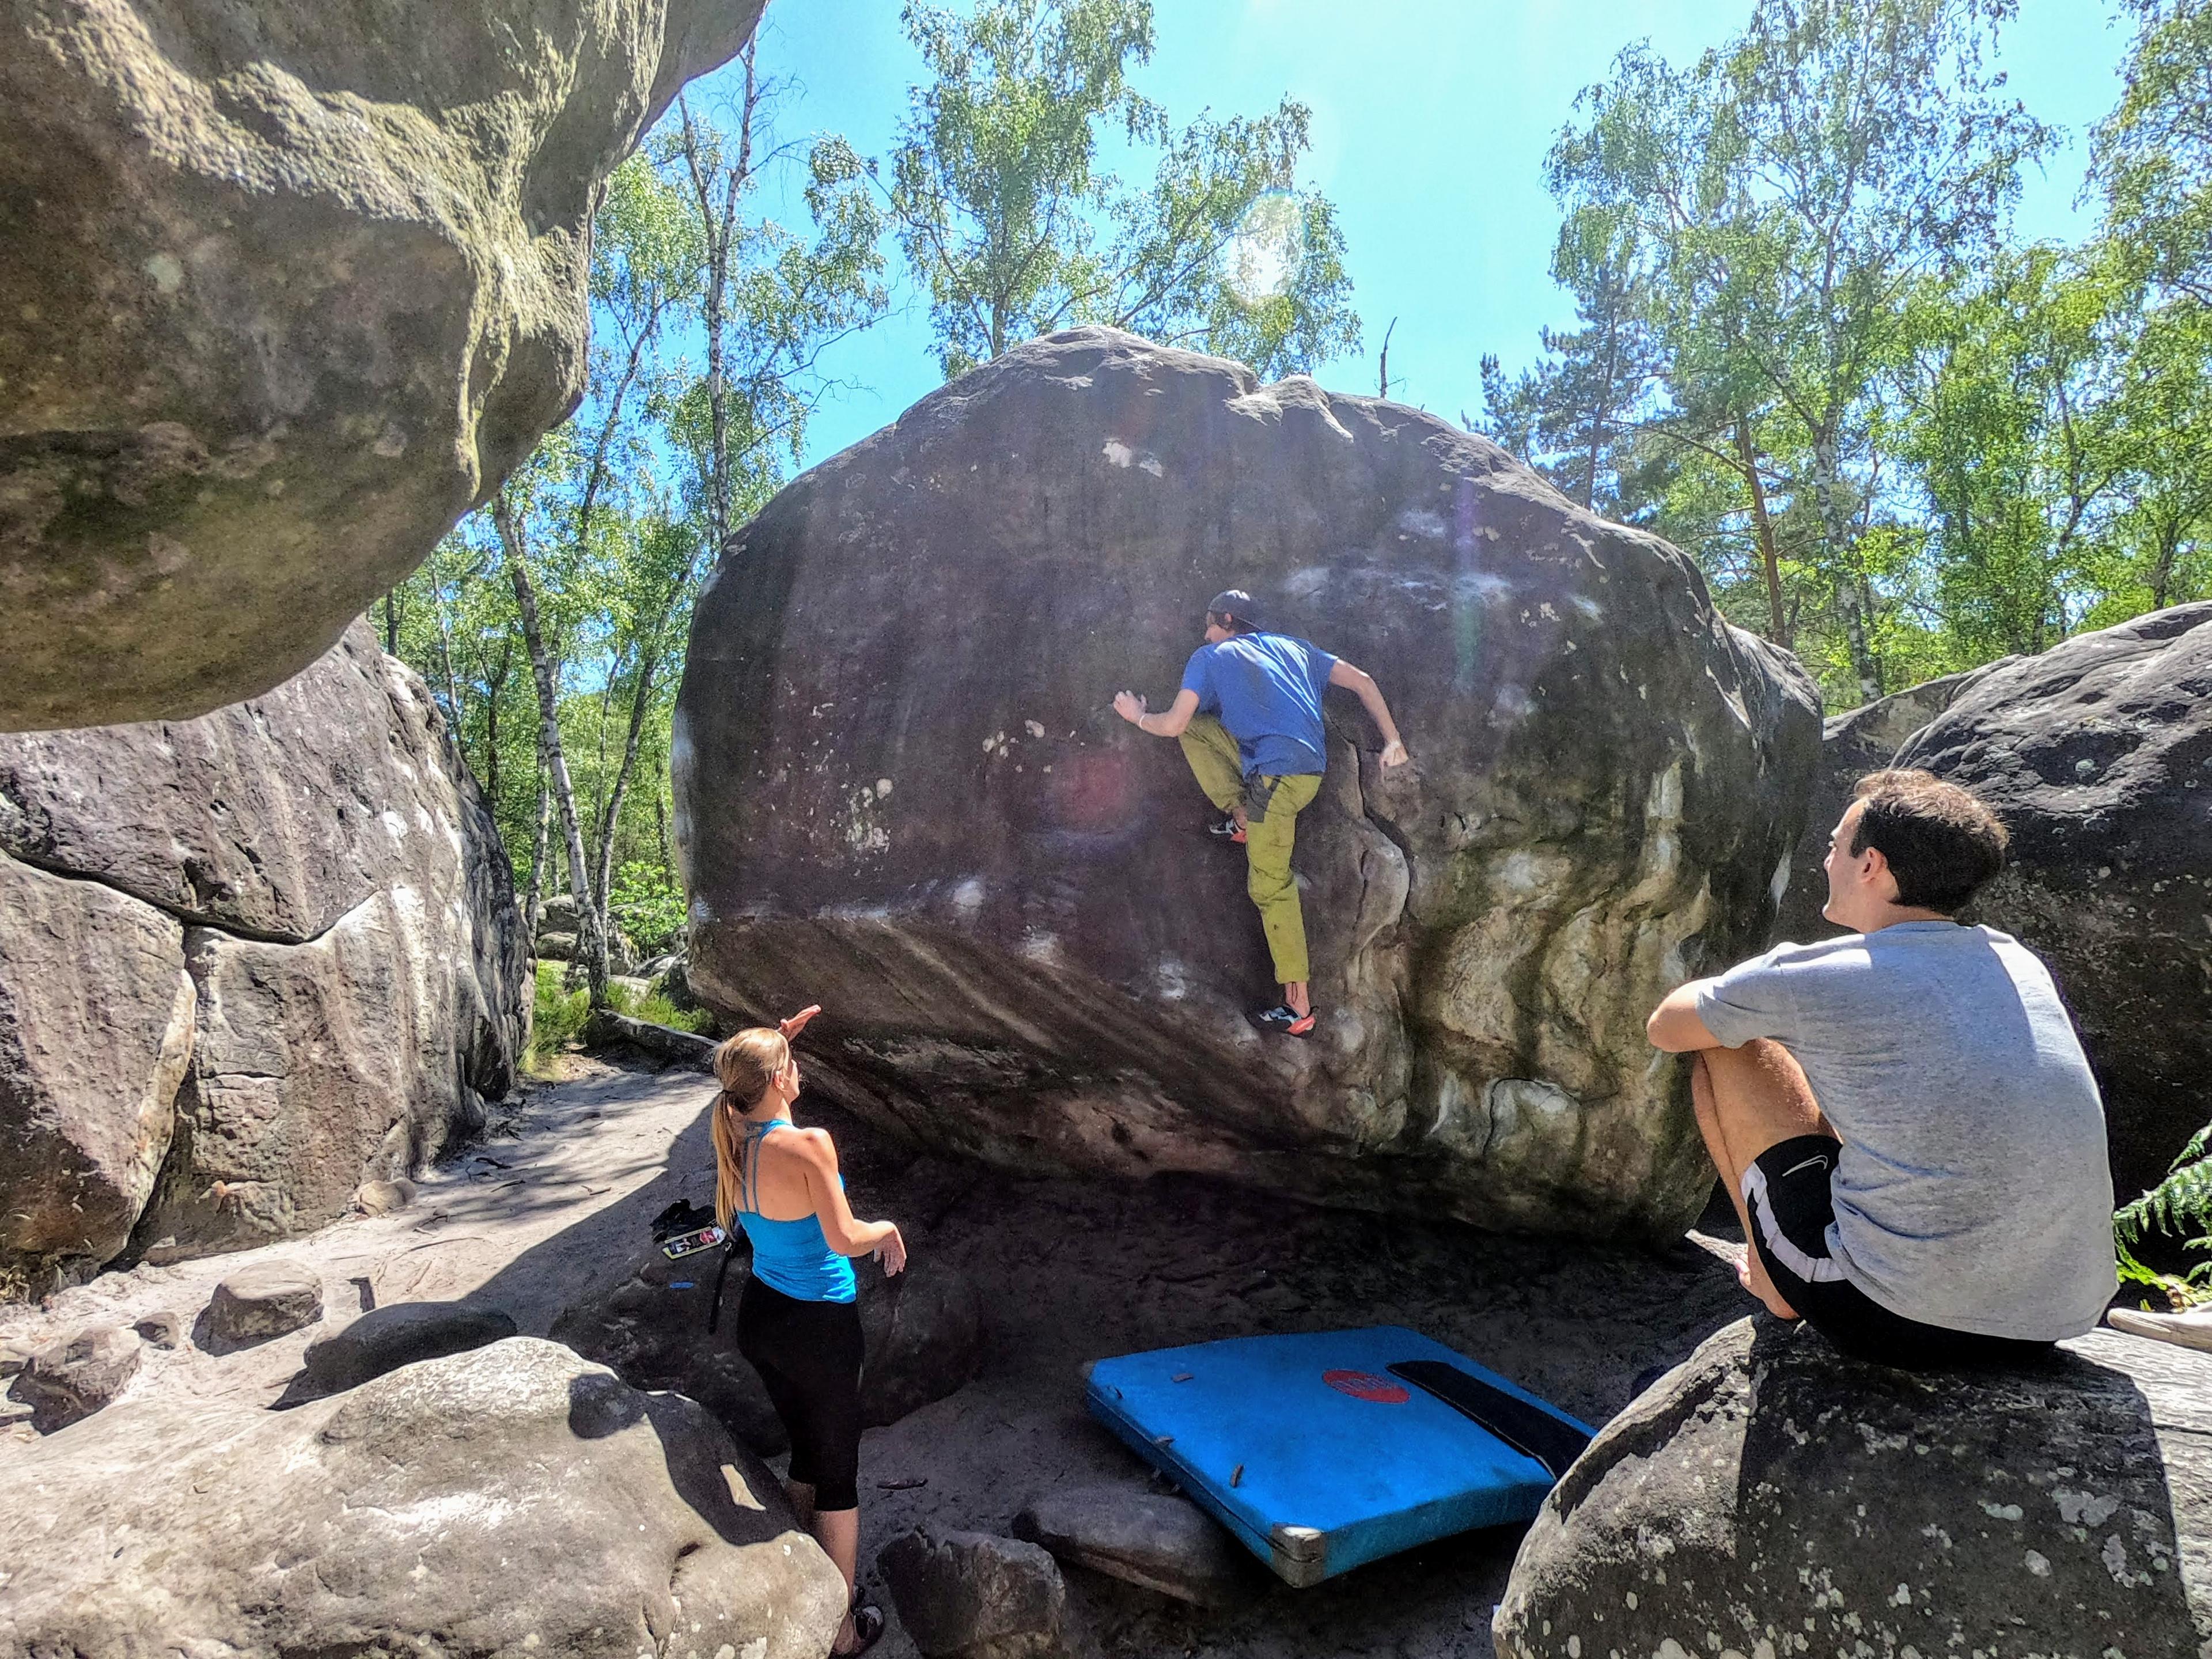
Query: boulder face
pixel 2098 757
pixel 901 792
pixel 290 287
pixel 1768 1493
pixel 404 1516
pixel 246 962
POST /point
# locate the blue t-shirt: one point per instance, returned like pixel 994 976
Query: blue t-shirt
pixel 1265 689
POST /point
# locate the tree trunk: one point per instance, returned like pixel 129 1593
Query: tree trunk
pixel 1765 527
pixel 639 701
pixel 591 936
pixel 533 906
pixel 390 625
pixel 2161 576
pixel 722 241
pixel 1853 593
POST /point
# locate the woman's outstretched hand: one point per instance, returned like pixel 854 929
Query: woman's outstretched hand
pixel 791 1027
pixel 892 1253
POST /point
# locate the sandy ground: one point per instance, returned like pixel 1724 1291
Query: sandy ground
pixel 552 1207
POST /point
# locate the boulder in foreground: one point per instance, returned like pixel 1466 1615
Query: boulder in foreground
pixel 972 1596
pixel 507 1501
pixel 1768 1494
pixel 902 793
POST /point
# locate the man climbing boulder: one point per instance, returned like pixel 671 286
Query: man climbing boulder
pixel 1248 716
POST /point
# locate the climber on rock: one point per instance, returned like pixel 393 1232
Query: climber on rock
pixel 1904 1117
pixel 1250 719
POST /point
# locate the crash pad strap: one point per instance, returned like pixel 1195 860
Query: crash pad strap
pixel 1524 1427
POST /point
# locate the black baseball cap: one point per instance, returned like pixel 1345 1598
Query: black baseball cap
pixel 1236 604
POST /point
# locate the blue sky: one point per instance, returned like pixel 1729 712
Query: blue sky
pixel 1431 118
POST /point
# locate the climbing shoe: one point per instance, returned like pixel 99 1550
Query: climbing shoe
pixel 1285 1019
pixel 1228 830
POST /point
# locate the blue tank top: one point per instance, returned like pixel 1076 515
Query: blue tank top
pixel 791 1256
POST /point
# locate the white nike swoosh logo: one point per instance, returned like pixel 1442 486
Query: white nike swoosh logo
pixel 1818 1161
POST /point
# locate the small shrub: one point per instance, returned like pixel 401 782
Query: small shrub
pixel 660 1011
pixel 558 1018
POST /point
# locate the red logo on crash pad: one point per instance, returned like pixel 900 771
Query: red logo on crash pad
pixel 1365 1385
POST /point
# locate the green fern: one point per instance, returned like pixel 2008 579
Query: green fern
pixel 2176 1212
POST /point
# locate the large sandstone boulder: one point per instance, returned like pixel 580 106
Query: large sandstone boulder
pixel 289 287
pixel 2098 757
pixel 1769 1496
pixel 507 1501
pixel 246 963
pixel 901 793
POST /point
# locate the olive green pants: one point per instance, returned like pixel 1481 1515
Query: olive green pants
pixel 1272 806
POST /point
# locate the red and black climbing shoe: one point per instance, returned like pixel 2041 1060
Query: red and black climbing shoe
pixel 1285 1019
pixel 1228 830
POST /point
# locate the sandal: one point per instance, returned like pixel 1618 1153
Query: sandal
pixel 867 1630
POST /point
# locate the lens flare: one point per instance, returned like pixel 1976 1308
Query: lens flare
pixel 1263 257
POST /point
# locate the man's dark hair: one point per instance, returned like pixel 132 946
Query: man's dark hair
pixel 1941 844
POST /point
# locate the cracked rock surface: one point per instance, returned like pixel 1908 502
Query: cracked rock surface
pixel 511 1500
pixel 1769 1496
pixel 290 287
pixel 246 962
pixel 902 793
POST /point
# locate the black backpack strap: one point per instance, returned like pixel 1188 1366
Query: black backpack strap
pixel 721 1276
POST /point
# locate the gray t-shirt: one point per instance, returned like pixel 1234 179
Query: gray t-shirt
pixel 1973 1191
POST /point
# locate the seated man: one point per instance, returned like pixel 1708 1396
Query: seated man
pixel 1904 1117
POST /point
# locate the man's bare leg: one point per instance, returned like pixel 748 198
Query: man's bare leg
pixel 1748 1099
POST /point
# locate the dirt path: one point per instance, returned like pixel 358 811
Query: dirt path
pixel 553 1206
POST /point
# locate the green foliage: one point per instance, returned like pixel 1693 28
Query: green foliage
pixel 615 515
pixel 2169 1224
pixel 2153 153
pixel 558 1019
pixel 648 906
pixel 1809 354
pixel 654 1007
pixel 1013 229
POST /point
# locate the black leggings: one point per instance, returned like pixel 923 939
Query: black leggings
pixel 808 1354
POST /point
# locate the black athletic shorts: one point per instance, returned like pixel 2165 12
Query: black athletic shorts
pixel 808 1355
pixel 1786 1190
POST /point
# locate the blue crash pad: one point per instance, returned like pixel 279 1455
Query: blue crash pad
pixel 1313 1454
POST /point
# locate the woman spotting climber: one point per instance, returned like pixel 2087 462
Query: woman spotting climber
pixel 798 1324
